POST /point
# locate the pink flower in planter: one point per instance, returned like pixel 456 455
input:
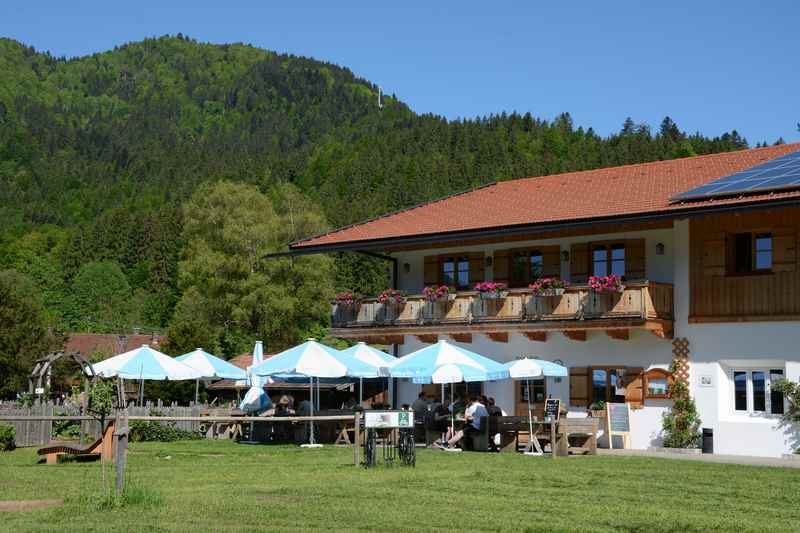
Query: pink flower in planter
pixel 392 296
pixel 612 283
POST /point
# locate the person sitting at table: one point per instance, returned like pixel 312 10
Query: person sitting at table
pixel 494 409
pixel 458 405
pixel 420 407
pixel 472 415
pixel 438 419
pixel 350 403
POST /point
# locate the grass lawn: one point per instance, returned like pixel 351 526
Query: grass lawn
pixel 215 485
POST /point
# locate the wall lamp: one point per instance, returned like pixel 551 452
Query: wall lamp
pixel 660 248
pixel 488 260
pixel 565 256
pixel 406 268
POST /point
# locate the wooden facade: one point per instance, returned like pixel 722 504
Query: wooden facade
pixel 719 294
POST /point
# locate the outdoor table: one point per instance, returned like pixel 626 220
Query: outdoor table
pixel 516 425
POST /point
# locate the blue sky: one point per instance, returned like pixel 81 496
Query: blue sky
pixel 711 66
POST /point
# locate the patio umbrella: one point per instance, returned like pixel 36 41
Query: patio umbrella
pixel 526 369
pixel 145 363
pixel 313 360
pixel 447 363
pixel 373 357
pixel 256 398
pixel 211 366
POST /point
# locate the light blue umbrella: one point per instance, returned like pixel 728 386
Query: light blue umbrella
pixel 447 363
pixel 313 360
pixel 373 357
pixel 256 398
pixel 211 366
pixel 144 363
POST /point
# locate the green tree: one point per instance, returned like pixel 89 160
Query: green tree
pixel 681 423
pixel 24 335
pixel 100 299
pixel 229 283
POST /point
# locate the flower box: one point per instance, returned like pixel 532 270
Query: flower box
pixel 392 298
pixel 548 287
pixel 606 284
pixel 441 293
pixel 489 290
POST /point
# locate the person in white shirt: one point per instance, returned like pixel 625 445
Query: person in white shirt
pixel 475 410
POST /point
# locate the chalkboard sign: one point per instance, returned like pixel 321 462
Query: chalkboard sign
pixel 619 417
pixel 552 408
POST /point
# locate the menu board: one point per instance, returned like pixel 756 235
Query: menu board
pixel 619 419
pixel 552 408
pixel 389 419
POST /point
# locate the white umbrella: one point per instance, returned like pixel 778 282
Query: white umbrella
pixel 255 399
pixel 533 368
pixel 211 366
pixel 381 361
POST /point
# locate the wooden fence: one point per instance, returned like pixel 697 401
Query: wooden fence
pixel 39 432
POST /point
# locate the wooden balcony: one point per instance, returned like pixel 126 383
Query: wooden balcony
pixel 642 305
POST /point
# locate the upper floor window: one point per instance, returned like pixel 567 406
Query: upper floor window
pixel 526 266
pixel 753 393
pixel 752 252
pixel 455 271
pixel 608 259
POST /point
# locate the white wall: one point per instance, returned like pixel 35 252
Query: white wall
pixel 714 348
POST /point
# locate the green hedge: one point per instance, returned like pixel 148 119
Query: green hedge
pixel 7 436
pixel 142 431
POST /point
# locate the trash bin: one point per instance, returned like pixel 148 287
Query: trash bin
pixel 708 440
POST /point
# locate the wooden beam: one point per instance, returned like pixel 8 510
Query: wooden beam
pixel 575 334
pixel 462 337
pixel 663 329
pixel 498 336
pixel 538 336
pixel 619 334
pixel 382 339
pixel 427 338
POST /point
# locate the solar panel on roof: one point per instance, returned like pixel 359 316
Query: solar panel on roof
pixel 778 174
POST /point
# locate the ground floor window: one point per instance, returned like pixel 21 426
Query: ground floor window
pixel 538 390
pixel 753 393
pixel 608 385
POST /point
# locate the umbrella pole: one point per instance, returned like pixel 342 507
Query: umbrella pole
pixel 452 413
pixel 197 390
pixel 360 391
pixel 311 422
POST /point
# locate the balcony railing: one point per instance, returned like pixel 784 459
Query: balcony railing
pixel 640 301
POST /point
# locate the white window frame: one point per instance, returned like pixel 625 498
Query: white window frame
pixel 749 370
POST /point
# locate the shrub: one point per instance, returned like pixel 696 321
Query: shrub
pixel 681 423
pixel 66 429
pixel 151 431
pixel 7 436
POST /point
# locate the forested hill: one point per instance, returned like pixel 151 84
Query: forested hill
pixel 99 153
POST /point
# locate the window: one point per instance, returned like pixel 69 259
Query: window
pixel 455 271
pixel 752 252
pixel 526 267
pixel 608 385
pixel 538 390
pixel 608 259
pixel 752 391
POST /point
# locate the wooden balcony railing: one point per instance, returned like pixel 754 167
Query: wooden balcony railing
pixel 640 301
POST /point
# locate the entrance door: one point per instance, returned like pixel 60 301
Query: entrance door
pixel 538 395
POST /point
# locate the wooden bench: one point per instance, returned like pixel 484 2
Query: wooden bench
pixel 584 429
pixel 102 448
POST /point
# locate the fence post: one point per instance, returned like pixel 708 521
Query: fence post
pixel 356 438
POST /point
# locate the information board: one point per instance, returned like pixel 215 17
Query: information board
pixel 618 422
pixel 389 419
pixel 552 408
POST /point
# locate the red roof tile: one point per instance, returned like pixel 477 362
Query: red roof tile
pixel 91 344
pixel 573 196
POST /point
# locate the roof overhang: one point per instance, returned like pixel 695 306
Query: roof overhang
pixel 387 244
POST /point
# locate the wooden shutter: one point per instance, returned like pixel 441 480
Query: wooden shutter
pixel 551 261
pixel 579 387
pixel 784 255
pixel 431 270
pixel 634 392
pixel 714 254
pixel 635 259
pixel 501 266
pixel 579 263
pixel 476 273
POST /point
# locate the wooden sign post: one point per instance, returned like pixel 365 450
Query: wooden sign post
pixel 618 422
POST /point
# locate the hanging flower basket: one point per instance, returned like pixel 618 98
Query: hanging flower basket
pixel 489 290
pixel 441 293
pixel 606 284
pixel 548 287
pixel 392 297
